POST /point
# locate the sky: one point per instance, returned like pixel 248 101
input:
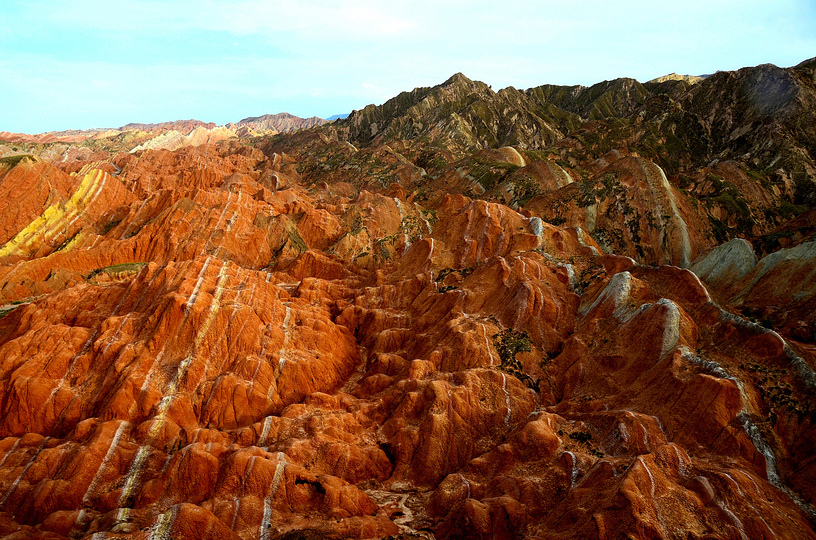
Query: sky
pixel 79 64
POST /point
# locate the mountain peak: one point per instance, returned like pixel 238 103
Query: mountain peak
pixel 691 79
pixel 280 122
pixel 457 78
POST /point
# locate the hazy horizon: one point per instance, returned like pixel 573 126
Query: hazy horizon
pixel 86 64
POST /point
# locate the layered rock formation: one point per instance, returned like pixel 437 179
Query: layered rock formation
pixel 413 331
pixel 87 145
pixel 77 135
pixel 279 123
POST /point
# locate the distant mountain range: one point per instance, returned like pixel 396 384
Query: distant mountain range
pixel 266 124
pixel 281 122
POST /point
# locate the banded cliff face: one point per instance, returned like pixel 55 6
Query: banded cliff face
pixel 313 336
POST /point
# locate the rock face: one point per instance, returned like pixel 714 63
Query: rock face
pixel 280 123
pixel 726 264
pixel 413 331
pixel 691 79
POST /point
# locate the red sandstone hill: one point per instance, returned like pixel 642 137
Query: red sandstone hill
pixel 412 332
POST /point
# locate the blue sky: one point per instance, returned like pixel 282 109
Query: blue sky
pixel 76 64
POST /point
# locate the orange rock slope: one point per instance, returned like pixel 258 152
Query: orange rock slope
pixel 194 344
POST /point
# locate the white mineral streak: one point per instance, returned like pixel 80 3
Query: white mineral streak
pixel 643 430
pixel 745 418
pixel 682 467
pixel 466 240
pixel 282 352
pixel 671 328
pixel 134 473
pixel 747 500
pixel 92 487
pixel 467 484
pixel 617 290
pixel 662 185
pixel 728 261
pixel 701 284
pixel 734 519
pixel 405 240
pixel 23 472
pixel 579 233
pixel 652 491
pixel 422 219
pixel 194 296
pixel 801 289
pixel 237 502
pixel 266 521
pixel 562 177
pixel 537 228
pixel 403 510
pixel 267 425
pixel 480 242
pixel 488 346
pixel 574 468
pixel 429 260
pixel 161 530
pixel 11 451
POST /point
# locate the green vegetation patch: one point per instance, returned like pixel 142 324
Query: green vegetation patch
pixel 297 241
pixel 728 196
pixel 759 176
pixel 509 343
pixel 777 392
pixel 117 269
pixel 12 161
pixel 445 272
pixel 489 173
pixel 719 229
pixel 787 210
pixel 525 188
pixel 556 220
pixel 110 225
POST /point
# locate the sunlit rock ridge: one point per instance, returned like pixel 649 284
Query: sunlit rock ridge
pixel 553 313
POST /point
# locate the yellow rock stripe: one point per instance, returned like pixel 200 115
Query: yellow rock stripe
pixel 57 217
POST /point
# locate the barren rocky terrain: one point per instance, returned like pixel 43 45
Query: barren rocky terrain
pixel 553 313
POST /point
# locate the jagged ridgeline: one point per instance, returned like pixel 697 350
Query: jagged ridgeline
pixel 553 313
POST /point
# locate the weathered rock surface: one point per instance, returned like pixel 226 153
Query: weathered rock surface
pixel 280 123
pixel 726 264
pixel 312 335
